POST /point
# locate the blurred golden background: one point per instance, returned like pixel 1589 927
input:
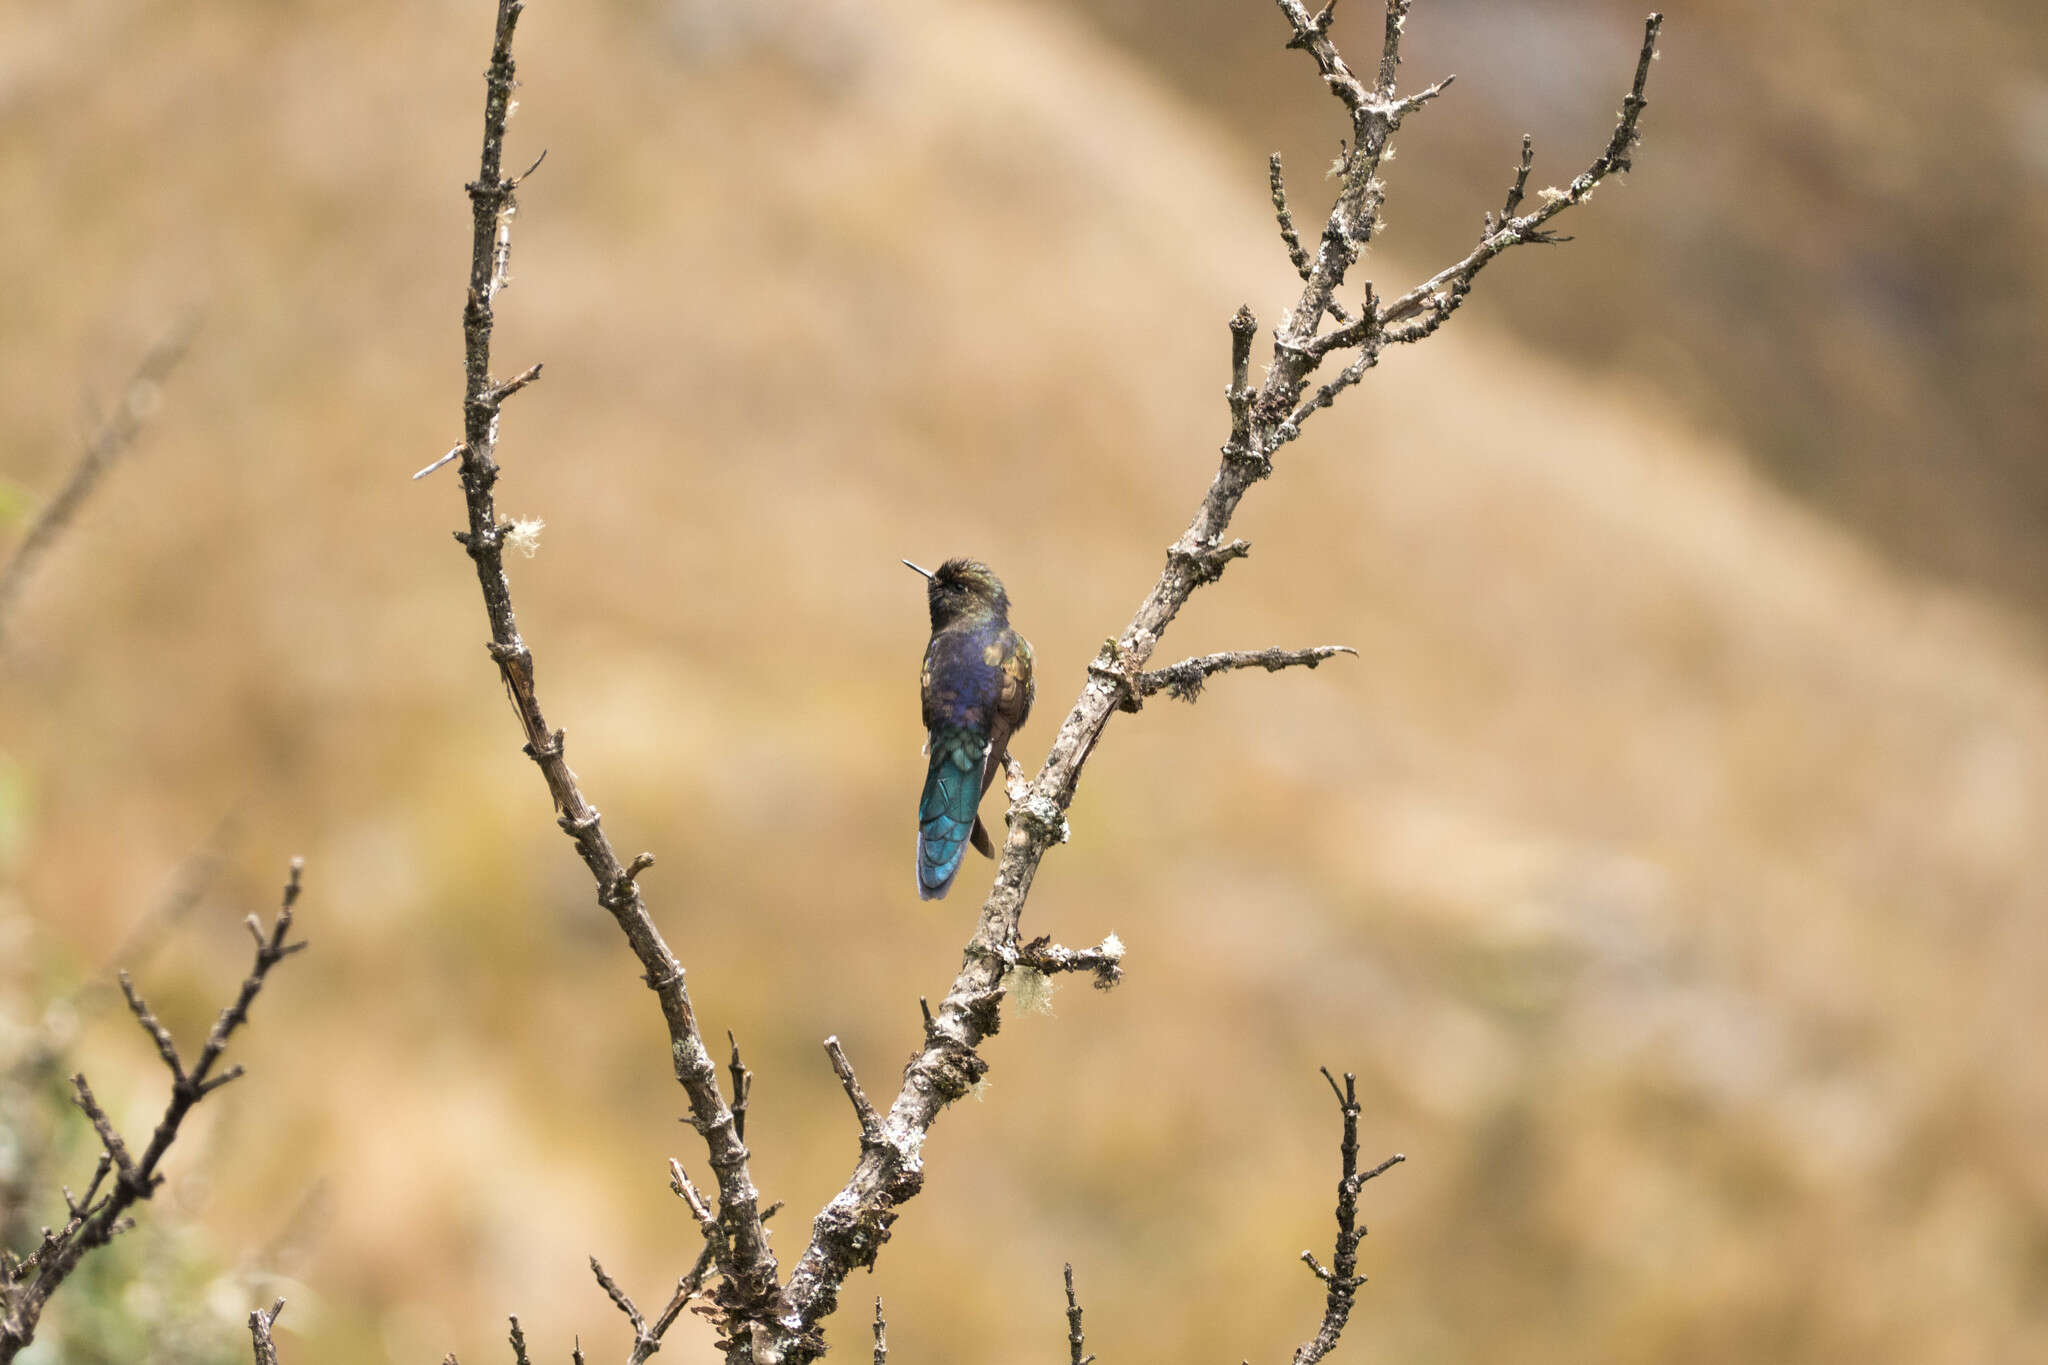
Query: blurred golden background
pixel 1667 866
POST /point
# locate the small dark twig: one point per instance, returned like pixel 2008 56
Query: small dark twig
pixel 165 1048
pixel 687 1288
pixel 1296 252
pixel 1341 1277
pixel 1076 1342
pixel 619 1299
pixel 870 1121
pixel 881 1334
pixel 742 1082
pixel 260 1324
pixel 518 1338
pixel 1513 202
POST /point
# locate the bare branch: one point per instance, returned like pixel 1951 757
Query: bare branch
pixel 261 1323
pixel 158 1033
pixel 1296 252
pixel 110 440
pixel 618 1297
pixel 1183 681
pixel 881 1334
pixel 870 1122
pixel 648 1341
pixel 1076 1342
pixel 748 1265
pixel 1106 960
pixel 1436 298
pixel 1342 1277
pixel 687 1288
pixel 40 1062
pixel 1517 190
pixel 110 1140
pixel 100 1217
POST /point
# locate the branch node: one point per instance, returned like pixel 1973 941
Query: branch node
pixel 1110 666
pixel 1204 564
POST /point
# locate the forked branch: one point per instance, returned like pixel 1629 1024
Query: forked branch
pixel 1341 1278
pixel 122 1179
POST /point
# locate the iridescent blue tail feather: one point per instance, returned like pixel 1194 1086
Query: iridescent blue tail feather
pixel 945 813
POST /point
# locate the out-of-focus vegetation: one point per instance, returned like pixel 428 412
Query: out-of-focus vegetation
pixel 1834 262
pixel 1667 865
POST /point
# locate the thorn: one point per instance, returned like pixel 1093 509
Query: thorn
pixel 452 453
pixel 516 181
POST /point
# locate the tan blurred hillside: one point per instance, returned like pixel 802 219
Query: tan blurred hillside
pixel 1667 865
pixel 1835 263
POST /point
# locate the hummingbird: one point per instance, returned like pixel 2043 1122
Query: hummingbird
pixel 977 692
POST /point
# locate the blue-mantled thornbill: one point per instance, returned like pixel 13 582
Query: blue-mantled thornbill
pixel 977 692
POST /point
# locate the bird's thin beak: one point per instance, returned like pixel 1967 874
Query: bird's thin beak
pixel 908 565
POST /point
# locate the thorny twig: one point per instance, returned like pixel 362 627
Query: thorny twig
pixel 115 433
pixel 101 1214
pixel 748 1272
pixel 1342 1277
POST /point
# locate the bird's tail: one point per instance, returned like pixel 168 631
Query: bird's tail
pixel 945 813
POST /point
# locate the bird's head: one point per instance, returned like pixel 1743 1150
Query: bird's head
pixel 964 588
